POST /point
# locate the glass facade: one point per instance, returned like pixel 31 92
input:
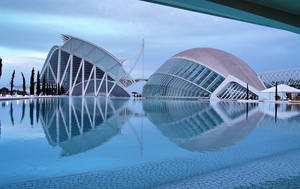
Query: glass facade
pixel 182 119
pixel 182 78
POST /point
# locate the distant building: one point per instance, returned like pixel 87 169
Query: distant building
pixel 288 76
pixel 204 73
pixel 84 69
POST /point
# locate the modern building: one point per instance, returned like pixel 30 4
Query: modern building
pixel 204 73
pixel 85 69
pixel 287 76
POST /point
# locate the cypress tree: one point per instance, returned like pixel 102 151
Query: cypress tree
pixel 44 86
pixel 52 88
pixel 47 89
pixel 12 82
pixel 24 84
pixel 32 82
pixel 38 84
pixel 0 67
pixel 62 90
pixel 58 90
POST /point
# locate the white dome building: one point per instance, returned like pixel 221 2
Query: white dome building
pixel 204 73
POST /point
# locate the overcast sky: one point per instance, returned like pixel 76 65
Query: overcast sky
pixel 29 28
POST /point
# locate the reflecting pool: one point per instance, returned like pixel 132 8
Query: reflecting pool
pixel 117 143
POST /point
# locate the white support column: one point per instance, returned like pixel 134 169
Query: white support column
pixel 77 74
pixel 95 81
pixel 76 118
pixel 82 115
pixel 115 83
pixel 53 74
pixel 48 62
pixel 71 76
pixel 105 113
pixel 88 113
pixel 101 84
pixel 65 71
pixel 57 127
pixel 82 80
pixel 106 92
pixel 64 122
pixel 89 79
pixel 58 68
pixel 47 73
pixel 99 108
pixel 94 113
pixel 70 117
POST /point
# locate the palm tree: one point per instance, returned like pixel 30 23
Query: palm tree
pixel 12 82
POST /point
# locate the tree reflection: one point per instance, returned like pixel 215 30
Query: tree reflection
pixel 31 107
pixel 23 111
pixel 37 110
pixel 11 111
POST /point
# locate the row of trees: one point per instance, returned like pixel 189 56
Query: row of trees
pixel 35 88
pixel 47 89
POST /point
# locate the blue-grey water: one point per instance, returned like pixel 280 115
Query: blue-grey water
pixel 118 143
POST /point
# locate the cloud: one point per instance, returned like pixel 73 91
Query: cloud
pixel 119 26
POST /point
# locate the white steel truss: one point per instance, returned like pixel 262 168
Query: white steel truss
pixel 82 69
pixel 287 76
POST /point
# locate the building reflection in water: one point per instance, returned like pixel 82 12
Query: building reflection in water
pixel 201 126
pixel 286 116
pixel 79 124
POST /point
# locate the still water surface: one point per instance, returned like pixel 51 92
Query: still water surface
pixel 116 143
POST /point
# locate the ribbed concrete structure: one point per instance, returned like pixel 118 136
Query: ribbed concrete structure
pixel 82 68
pixel 224 63
pixel 204 73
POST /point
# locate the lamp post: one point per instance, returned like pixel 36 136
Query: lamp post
pixel 247 92
pixel 276 91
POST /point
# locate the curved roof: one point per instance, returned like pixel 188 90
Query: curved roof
pixel 95 55
pixel 224 63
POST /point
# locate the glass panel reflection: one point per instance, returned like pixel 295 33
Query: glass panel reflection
pixel 200 126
